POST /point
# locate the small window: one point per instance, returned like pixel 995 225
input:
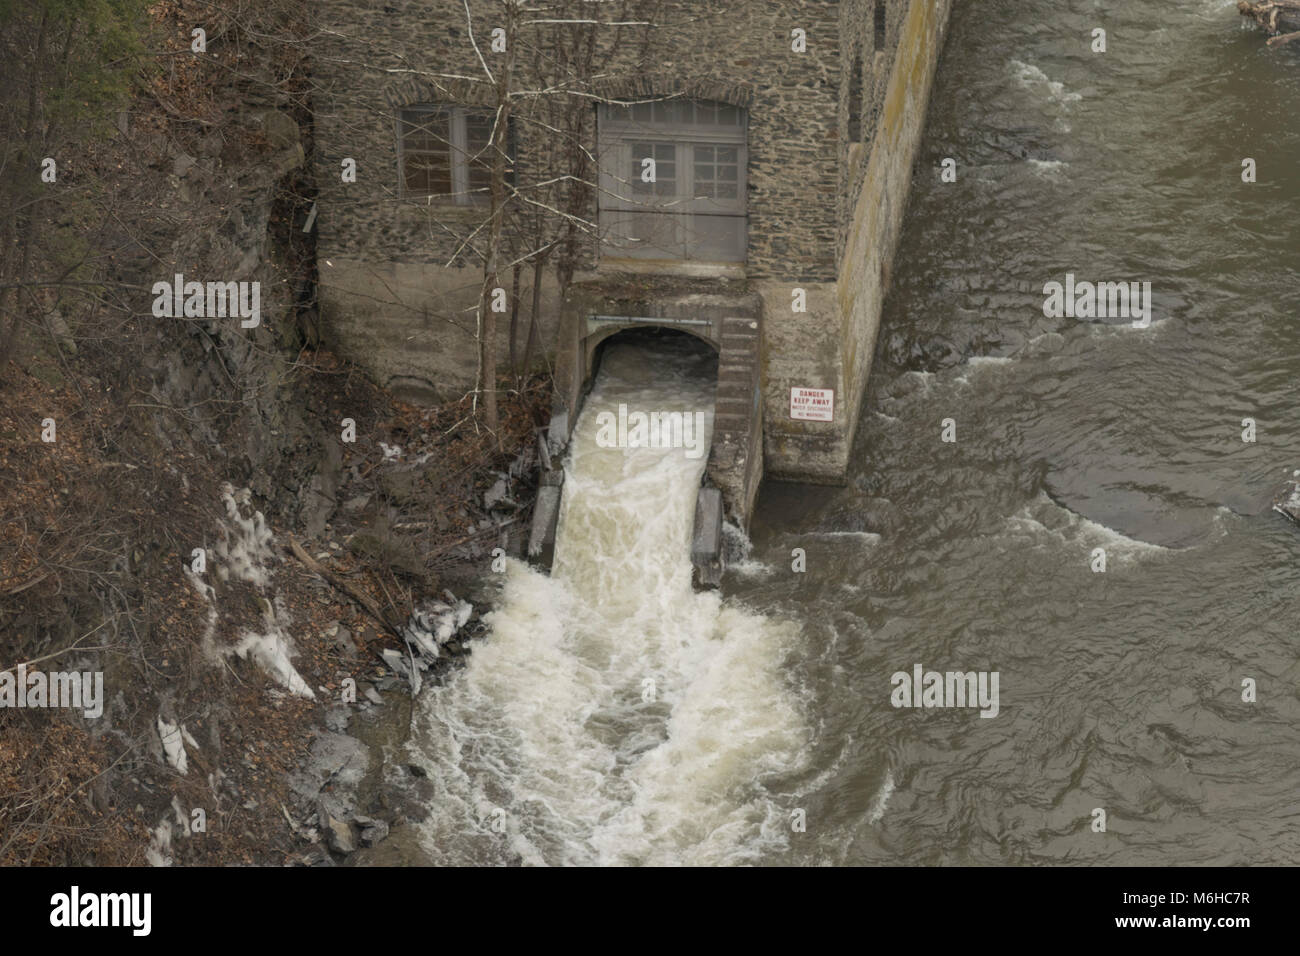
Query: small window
pixel 880 25
pixel 443 151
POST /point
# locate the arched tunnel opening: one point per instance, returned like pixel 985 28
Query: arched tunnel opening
pixel 651 338
pixel 661 381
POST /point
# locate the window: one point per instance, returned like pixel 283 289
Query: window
pixel 443 151
pixel 879 25
pixel 689 203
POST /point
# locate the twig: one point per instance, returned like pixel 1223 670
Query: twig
pixel 366 602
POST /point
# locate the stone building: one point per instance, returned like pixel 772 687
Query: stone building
pixel 780 135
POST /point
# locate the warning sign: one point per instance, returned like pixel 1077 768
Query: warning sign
pixel 812 404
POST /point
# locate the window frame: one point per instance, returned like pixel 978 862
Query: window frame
pixel 458 155
pixel 616 136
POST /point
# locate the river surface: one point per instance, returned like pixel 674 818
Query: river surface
pixel 768 734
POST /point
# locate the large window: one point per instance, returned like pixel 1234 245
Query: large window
pixel 443 151
pixel 688 202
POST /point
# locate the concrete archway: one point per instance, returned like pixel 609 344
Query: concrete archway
pixel 724 316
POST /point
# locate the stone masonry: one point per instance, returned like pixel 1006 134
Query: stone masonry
pixel 832 134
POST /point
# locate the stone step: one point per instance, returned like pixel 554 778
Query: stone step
pixel 737 376
pixel 735 387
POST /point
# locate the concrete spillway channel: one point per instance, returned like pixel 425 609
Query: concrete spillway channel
pixel 731 473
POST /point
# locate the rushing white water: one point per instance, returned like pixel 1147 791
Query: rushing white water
pixel 614 715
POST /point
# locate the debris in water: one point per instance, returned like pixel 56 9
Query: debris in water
pixel 1287 500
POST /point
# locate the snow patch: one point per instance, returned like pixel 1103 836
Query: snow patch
pixel 173 741
pixel 245 545
pixel 271 651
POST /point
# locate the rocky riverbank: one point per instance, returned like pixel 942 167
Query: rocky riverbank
pixel 246 537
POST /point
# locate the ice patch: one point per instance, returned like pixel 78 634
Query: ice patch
pixel 271 651
pixel 245 545
pixel 881 799
pixel 160 845
pixel 173 744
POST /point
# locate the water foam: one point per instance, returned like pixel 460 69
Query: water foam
pixel 1044 520
pixel 613 714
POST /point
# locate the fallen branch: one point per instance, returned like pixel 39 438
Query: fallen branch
pixel 1275 16
pixel 366 602
pixel 1284 38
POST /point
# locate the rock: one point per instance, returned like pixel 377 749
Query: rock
pixel 279 129
pixel 372 835
pixel 339 835
pixel 336 718
pixel 59 326
pixel 312 856
pixel 318 500
pixel 1287 500
pixel 396 662
pixel 495 494
pixel 353 504
pixel 342 639
pixel 335 759
pixel 182 164
pixel 372 695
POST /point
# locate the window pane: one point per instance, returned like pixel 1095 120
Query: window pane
pixel 478 159
pixel 673 111
pixel 643 112
pixel 478 131
pixel 427 174
pixel 665 169
pixel 480 181
pixel 424 130
pixel 716 237
pixel 727 154
pixel 728 115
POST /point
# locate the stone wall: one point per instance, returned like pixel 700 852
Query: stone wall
pixel 832 345
pixel 377 58
pixel 825 197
